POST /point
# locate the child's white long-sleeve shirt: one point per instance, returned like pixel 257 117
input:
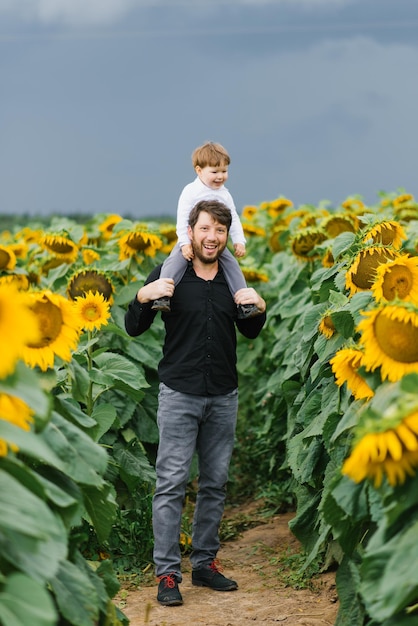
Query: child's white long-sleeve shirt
pixel 191 195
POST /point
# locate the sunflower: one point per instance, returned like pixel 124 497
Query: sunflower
pixel 278 238
pixel 407 213
pixel 328 259
pixel 362 273
pixel 20 249
pixel 389 336
pixel 354 204
pixel 392 453
pixel 59 327
pixel 314 218
pixel 303 243
pixel 90 280
pixel 18 325
pixel 93 310
pixel 29 235
pixel 21 281
pixel 386 233
pixel 139 240
pixel 326 326
pixel 7 258
pixel 169 233
pixel 339 223
pixel 15 411
pixel 402 199
pixel 295 216
pixel 248 212
pixel 89 256
pixel 60 246
pixel 276 207
pixel 52 262
pixel 252 275
pixel 397 279
pixel 345 365
pixel 106 227
pixel 250 230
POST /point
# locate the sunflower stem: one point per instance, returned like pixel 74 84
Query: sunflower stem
pixel 89 402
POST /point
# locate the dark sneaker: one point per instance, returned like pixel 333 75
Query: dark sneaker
pixel 210 576
pixel 247 310
pixel 168 591
pixel 162 304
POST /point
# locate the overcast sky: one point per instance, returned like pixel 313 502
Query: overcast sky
pixel 103 101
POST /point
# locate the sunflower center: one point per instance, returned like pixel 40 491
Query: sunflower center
pixel 338 225
pixel 89 281
pixel 366 269
pixel 397 282
pixel 137 241
pixel 60 247
pixel 4 259
pixel 386 234
pixel 303 244
pixel 398 340
pixel 91 312
pixel 328 323
pixel 50 323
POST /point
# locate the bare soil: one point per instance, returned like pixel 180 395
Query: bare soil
pixel 263 597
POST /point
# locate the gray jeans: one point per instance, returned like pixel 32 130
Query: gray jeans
pixel 189 423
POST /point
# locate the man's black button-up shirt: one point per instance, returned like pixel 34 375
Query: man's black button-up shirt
pixel 199 352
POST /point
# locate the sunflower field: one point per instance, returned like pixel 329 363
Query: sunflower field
pixel 328 421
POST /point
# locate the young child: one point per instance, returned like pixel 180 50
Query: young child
pixel 210 162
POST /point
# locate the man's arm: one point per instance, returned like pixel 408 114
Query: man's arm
pixel 140 315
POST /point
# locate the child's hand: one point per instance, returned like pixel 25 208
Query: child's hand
pixel 239 250
pixel 187 251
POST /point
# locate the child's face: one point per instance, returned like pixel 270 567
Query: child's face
pixel 213 177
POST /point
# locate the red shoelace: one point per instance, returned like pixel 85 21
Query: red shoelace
pixel 216 566
pixel 169 580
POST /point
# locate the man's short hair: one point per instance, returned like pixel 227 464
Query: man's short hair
pixel 218 211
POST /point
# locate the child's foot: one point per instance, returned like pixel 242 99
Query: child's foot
pixel 247 310
pixel 162 304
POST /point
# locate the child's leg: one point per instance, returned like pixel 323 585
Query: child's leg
pixel 174 266
pixel 233 273
pixel 235 280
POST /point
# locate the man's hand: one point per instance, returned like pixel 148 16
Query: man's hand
pixel 157 289
pixel 248 295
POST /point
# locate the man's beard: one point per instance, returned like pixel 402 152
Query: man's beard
pixel 204 259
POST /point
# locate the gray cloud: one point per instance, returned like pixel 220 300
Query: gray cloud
pixel 101 12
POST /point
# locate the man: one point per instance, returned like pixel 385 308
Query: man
pixel 198 397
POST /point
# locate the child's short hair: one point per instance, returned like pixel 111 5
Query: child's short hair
pixel 210 154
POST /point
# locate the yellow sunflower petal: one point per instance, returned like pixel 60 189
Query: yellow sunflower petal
pixel 393 444
pixel 18 325
pixel 407 437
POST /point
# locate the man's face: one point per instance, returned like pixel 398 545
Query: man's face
pixel 208 237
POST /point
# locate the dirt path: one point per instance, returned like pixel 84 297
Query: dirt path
pixel 253 561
